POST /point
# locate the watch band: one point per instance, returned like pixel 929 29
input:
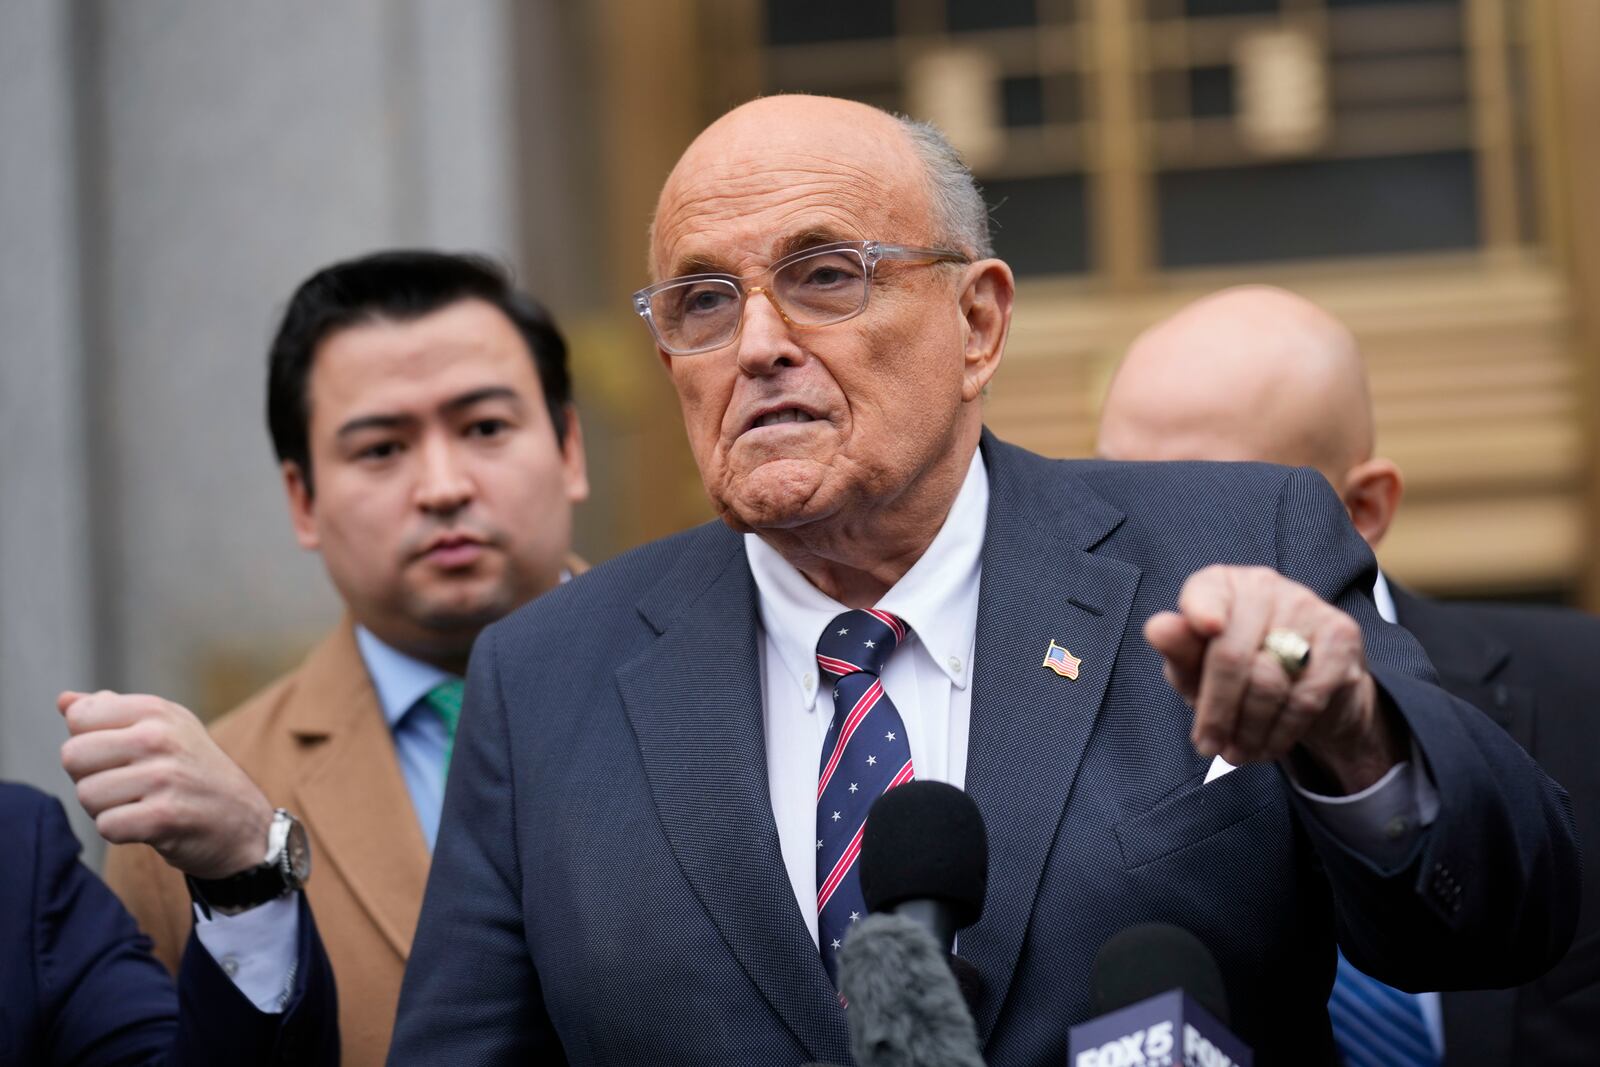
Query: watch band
pixel 237 892
pixel 267 881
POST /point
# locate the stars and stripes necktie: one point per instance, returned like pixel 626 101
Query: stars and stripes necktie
pixel 864 755
pixel 444 700
pixel 1375 1025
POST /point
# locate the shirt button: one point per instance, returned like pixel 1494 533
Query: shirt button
pixel 809 681
pixel 230 966
pixel 1396 827
pixel 955 663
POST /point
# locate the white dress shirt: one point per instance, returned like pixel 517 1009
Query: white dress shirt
pixel 256 949
pixel 929 679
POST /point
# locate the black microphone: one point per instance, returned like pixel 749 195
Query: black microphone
pixel 1141 961
pixel 1159 997
pixel 925 856
pixel 905 1008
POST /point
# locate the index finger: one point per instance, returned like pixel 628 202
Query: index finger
pixel 1171 635
pixel 105 710
pixel 1225 674
pixel 1207 600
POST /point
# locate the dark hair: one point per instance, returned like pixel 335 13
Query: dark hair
pixel 399 286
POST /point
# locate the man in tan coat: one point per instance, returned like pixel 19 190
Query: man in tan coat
pixel 421 412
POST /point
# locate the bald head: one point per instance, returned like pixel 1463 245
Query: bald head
pixel 858 151
pixel 1252 373
pixel 887 155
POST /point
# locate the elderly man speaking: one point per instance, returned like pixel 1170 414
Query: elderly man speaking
pixel 1162 684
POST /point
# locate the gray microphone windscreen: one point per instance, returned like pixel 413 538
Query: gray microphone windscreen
pixel 904 1006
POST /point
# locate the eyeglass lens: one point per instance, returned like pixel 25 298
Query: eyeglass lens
pixel 812 290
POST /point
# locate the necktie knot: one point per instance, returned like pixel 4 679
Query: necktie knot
pixel 859 642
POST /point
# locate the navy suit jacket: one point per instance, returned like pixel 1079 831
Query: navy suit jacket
pixel 79 986
pixel 1533 670
pixel 608 886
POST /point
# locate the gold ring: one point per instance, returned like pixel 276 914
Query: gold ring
pixel 1291 651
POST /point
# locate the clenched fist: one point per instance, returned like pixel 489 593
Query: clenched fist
pixel 147 770
pixel 1248 707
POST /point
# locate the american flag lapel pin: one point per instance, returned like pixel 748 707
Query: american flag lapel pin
pixel 1061 661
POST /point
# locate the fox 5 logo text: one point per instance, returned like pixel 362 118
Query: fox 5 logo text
pixel 1153 1047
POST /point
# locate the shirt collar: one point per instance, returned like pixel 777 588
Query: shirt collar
pixel 400 681
pixel 937 597
pixel 1384 599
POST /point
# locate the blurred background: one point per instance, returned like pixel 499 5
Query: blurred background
pixel 169 171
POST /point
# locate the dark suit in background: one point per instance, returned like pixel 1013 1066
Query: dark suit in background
pixel 1535 671
pixel 609 886
pixel 79 986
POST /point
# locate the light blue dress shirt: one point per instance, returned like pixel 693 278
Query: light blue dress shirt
pixel 420 740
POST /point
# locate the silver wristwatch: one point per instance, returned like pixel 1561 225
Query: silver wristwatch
pixel 285 869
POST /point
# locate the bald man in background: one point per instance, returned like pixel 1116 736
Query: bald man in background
pixel 1256 373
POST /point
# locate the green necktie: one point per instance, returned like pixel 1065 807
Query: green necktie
pixel 445 700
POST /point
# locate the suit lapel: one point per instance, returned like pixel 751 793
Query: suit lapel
pixel 1029 725
pixel 351 793
pixel 694 700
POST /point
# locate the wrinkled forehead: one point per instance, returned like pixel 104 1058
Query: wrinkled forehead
pixel 743 197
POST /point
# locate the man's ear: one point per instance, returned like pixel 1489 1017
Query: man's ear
pixel 302 504
pixel 575 465
pixel 1371 494
pixel 987 293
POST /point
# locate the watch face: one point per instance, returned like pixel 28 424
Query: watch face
pixel 298 849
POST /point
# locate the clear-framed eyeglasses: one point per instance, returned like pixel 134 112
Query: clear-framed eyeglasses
pixel 813 287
